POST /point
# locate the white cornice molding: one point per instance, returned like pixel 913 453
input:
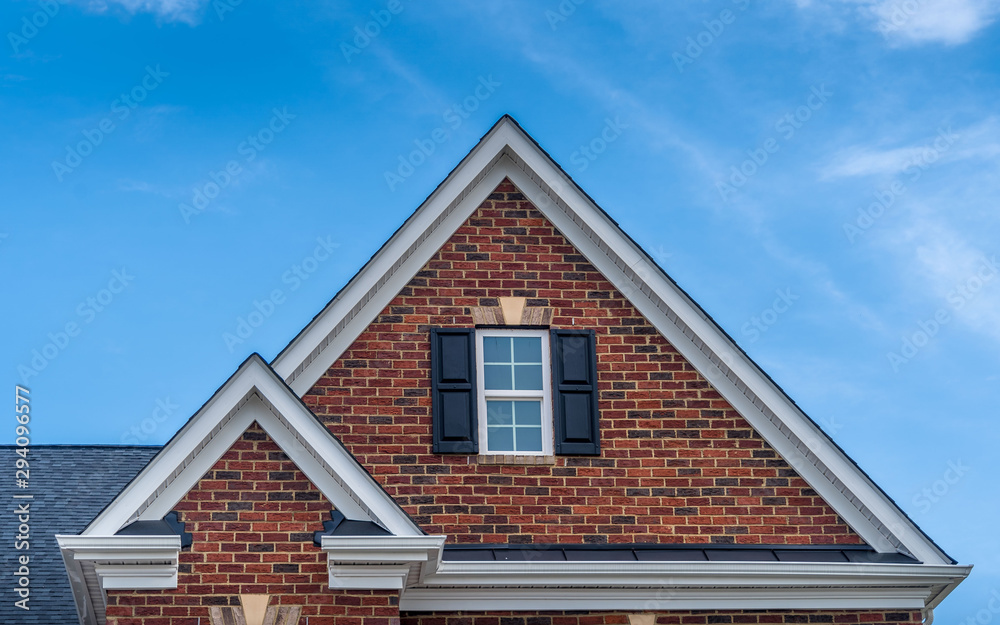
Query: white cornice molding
pixel 368 576
pixel 121 548
pixel 680 586
pixel 96 564
pixel 646 599
pixel 395 562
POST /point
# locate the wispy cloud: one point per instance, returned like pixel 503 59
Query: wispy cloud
pixel 915 22
pixel 981 141
pixel 184 11
pixel 951 22
pixel 955 268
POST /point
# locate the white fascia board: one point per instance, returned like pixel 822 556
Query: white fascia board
pixel 680 585
pixel 649 279
pixel 214 430
pixel 421 224
pixel 479 599
pixel 610 574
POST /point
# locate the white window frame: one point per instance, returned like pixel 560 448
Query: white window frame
pixel 548 439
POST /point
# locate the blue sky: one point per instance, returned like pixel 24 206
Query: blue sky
pixel 822 176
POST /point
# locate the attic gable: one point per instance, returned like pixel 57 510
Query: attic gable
pixel 678 463
pixel 506 151
pixel 254 404
pixel 253 395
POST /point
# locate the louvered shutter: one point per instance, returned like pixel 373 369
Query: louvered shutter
pixel 574 392
pixel 453 390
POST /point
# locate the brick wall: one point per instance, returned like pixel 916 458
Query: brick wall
pixel 678 464
pixel 664 618
pixel 251 518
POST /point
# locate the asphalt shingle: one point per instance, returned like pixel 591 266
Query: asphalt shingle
pixel 71 484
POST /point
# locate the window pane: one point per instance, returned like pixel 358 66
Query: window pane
pixel 501 439
pixel 500 412
pixel 496 349
pixel 529 439
pixel 528 413
pixel 528 377
pixel 497 377
pixel 527 349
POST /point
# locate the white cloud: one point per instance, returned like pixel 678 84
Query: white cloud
pixel 950 268
pixel 185 11
pixel 951 22
pixel 966 277
pixel 915 22
pixel 979 142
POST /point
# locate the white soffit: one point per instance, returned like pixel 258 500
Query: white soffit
pixel 507 151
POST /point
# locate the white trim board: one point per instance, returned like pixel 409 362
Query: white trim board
pixel 254 393
pixel 680 586
pixel 506 151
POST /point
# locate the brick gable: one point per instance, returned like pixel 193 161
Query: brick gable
pixel 678 464
pixel 252 518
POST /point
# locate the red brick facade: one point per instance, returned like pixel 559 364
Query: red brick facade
pixel 678 464
pixel 252 518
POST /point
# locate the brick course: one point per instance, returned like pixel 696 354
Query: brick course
pixel 251 518
pixel 678 463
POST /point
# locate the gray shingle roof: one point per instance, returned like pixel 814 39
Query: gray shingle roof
pixel 71 484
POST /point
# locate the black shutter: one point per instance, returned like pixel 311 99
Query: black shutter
pixel 453 390
pixel 574 392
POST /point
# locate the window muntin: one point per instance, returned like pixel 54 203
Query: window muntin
pixel 513 392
